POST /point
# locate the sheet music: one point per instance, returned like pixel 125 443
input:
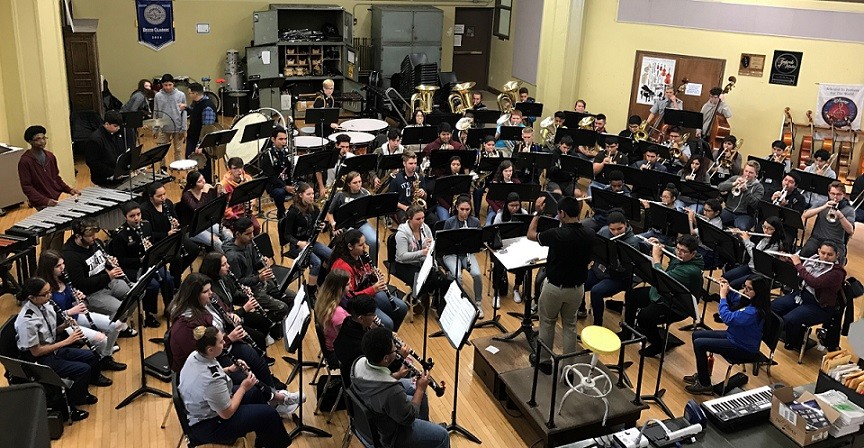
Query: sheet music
pixel 425 269
pixel 458 316
pixel 293 323
pixel 518 252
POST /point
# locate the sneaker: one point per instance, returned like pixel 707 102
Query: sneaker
pixel 496 303
pixel 129 332
pixel 151 322
pixel 517 297
pixel 480 314
pixel 545 366
pixel 691 379
pixel 698 389
pixel 581 314
pixel 291 403
pixel 115 349
pixel 269 340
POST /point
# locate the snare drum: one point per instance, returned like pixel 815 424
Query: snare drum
pixel 308 143
pixel 181 167
pixel 249 150
pixel 359 140
pixel 363 125
pixel 308 130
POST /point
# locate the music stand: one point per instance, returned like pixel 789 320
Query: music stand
pixel 37 373
pixel 491 164
pixel 440 159
pixel 457 320
pixel 294 326
pixel 435 119
pixel 372 206
pixel 394 162
pixel 448 186
pixel 581 137
pixel 683 118
pixel 322 116
pixel 363 163
pixel 814 183
pixel 680 299
pixel 314 162
pixel 208 214
pixel 603 199
pixel 257 132
pixel 217 138
pixel 123 166
pixel 484 116
pixel 477 135
pixel 670 221
pixel 511 133
pixel 572 118
pixel 577 166
pixel 458 242
pixel 605 252
pixel 518 259
pixel 726 246
pixel 769 171
pixel 775 269
pixel 534 162
pixel 700 191
pixel 657 180
pixel 150 157
pixel 501 231
pixel 498 191
pixel 419 135
pixel 128 306
pixel 530 109
pixel 248 191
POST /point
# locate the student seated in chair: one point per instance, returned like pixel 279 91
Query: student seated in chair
pixel 745 316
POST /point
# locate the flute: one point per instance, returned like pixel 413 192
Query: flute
pixel 584 198
pixel 788 255
pixel 666 251
pixel 721 282
pixel 739 231
pixel 617 236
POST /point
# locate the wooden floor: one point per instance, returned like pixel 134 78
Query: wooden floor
pixel 138 424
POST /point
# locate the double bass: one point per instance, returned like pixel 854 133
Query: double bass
pixel 806 144
pixel 720 128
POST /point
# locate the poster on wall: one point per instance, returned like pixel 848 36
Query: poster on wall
pixel 155 23
pixel 654 75
pixel 839 105
pixel 785 67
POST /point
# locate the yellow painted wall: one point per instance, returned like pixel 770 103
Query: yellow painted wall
pixel 124 61
pixel 609 51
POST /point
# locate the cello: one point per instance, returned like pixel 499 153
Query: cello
pixel 720 128
pixel 806 144
pixel 788 135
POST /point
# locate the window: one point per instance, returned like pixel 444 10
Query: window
pixel 503 10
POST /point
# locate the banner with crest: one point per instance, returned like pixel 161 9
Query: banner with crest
pixel 840 106
pixel 155 23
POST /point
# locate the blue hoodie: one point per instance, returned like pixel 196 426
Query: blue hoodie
pixel 745 325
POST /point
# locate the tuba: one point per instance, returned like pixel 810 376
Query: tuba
pixel 641 135
pixel 460 102
pixel 424 96
pixel 587 123
pixel 507 98
pixel 548 130
pixel 462 126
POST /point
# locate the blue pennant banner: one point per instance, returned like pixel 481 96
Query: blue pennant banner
pixel 155 23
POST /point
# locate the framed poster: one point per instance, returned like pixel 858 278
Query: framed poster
pixel 785 67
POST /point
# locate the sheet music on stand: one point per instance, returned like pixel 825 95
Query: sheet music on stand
pixel 293 325
pixel 520 252
pixel 458 316
pixel 425 269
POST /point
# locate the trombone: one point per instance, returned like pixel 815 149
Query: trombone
pixel 665 251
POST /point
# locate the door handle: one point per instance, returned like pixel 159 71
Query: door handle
pixel 468 52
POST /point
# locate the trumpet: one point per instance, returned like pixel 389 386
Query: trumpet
pixel 738 231
pixel 665 251
pixel 720 282
pixel 739 186
pixel 831 216
pixel 777 253
pixel 691 176
pixel 780 198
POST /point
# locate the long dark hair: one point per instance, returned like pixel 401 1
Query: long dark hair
pixel 211 265
pixel 762 300
pixel 45 269
pixel 499 175
pixel 298 190
pixel 191 180
pixel 340 246
pixel 187 298
pixel 147 93
pixel 779 236
pixel 31 288
pixel 506 216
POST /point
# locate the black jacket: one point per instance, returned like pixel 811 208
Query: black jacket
pixel 276 166
pixel 101 151
pixel 298 227
pixel 159 222
pixel 86 267
pixel 127 246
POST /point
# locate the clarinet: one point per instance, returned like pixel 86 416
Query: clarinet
pixel 265 389
pixel 175 225
pixel 261 257
pixel 109 265
pixel 65 277
pixel 62 313
pixel 399 343
pixel 249 295
pixel 368 260
pixel 226 321
pixel 145 241
pixel 438 388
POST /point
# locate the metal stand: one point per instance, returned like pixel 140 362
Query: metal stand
pixel 657 396
pixel 527 324
pixel 453 426
pixel 144 388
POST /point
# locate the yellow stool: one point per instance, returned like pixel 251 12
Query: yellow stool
pixel 598 339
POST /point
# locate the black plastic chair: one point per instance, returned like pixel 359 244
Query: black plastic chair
pixel 361 422
pixel 183 417
pixel 770 337
pixel 331 363
pixel 266 248
pixel 835 320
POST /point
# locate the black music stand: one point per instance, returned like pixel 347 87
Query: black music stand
pixel 498 191
pixel 511 133
pixel 208 214
pixel 151 157
pixel 603 199
pixel 814 183
pixel 213 140
pixel 371 206
pixel 258 131
pixel 314 162
pixel 440 159
pixel 670 221
pixel 25 416
pixel 363 163
pixel 128 306
pixel 572 119
pixel 530 109
pixel 248 191
pixel 491 164
pixel 680 299
pixel 419 135
pixel 477 135
pixel 322 116
pixel 457 320
pixel 123 166
pixel 683 118
pixel 435 119
pixel 790 218
pixel 725 245
pixel 577 166
pixel 36 373
pixel 448 186
pixel 700 191
pixel 485 116
pixel 394 162
pixel 778 271
pixel 657 180
pixel 535 162
pixel 294 326
pixel 457 242
pixel 581 137
pixel 769 171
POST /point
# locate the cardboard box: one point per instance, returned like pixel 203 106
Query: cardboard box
pixel 794 425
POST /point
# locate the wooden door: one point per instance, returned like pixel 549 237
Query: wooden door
pixel 471 59
pixel 82 71
pixel 707 73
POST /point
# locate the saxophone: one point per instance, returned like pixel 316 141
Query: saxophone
pixel 415 193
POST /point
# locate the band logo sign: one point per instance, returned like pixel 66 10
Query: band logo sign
pixel 785 67
pixel 155 23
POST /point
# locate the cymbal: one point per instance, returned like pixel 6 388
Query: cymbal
pixel 155 122
pixel 238 93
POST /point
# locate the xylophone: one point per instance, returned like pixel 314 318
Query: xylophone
pixel 98 203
